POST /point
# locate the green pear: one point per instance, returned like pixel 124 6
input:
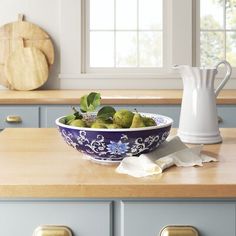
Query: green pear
pixel 123 118
pixel 113 126
pixel 103 121
pixel 99 123
pixel 137 121
pixel 89 123
pixel 70 121
pixel 96 125
pixel 78 123
pixel 148 121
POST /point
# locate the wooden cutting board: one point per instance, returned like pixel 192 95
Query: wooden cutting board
pixel 10 47
pixel 32 35
pixel 3 79
pixel 26 68
pixel 13 36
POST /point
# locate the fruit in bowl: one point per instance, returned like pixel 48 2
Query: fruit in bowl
pixel 108 135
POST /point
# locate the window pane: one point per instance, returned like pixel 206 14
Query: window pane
pixel 212 14
pixel 101 49
pixel 126 14
pixel 126 49
pixel 212 48
pixel 231 48
pixel 150 49
pixel 101 14
pixel 150 14
pixel 230 14
pixel 125 33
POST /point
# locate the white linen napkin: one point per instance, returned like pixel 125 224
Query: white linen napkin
pixel 170 153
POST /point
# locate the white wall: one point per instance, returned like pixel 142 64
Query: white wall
pixel 44 13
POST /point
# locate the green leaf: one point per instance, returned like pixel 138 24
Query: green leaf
pixel 106 112
pixel 83 103
pixel 63 120
pixel 68 118
pixel 89 103
pixel 94 99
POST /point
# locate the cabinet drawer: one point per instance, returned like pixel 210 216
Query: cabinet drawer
pixel 83 218
pixel 148 218
pixel 29 116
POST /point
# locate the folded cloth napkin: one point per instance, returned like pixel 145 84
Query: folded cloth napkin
pixel 170 153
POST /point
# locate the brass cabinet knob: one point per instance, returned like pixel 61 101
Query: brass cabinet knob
pixel 13 119
pixel 52 230
pixel 179 231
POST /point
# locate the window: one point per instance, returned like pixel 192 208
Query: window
pixel 128 34
pixel 217 31
pixel 135 43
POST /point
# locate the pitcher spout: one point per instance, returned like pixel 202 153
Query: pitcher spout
pixel 184 70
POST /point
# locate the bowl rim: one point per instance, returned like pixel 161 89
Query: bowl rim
pixel 169 123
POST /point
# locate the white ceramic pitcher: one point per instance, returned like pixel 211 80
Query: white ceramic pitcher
pixel 198 117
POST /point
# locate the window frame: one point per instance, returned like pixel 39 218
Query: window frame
pixel 181 49
pixel 169 57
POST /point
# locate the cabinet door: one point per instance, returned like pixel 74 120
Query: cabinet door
pixel 50 113
pixel 148 218
pixel 83 218
pixel 227 114
pixel 29 116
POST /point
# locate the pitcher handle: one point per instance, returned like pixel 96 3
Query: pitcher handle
pixel 227 76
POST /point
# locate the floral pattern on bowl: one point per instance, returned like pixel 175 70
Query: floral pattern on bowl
pixel 112 145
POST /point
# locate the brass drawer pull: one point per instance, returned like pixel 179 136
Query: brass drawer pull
pixel 220 120
pixel 13 119
pixel 52 230
pixel 178 230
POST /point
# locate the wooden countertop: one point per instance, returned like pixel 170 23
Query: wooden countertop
pixel 38 163
pixel 108 97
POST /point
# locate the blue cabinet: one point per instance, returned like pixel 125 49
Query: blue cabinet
pixel 52 112
pixel 228 115
pixel 45 115
pixel 84 218
pixel 148 218
pixel 226 112
pixel 117 217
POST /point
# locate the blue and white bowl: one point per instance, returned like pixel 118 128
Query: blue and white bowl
pixel 112 145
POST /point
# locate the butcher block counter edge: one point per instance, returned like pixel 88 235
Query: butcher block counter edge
pixel 129 97
pixel 118 191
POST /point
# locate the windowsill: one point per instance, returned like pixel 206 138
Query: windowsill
pixel 168 74
pixel 118 76
pixel 140 82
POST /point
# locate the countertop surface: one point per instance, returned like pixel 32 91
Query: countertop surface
pixel 70 97
pixel 38 163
